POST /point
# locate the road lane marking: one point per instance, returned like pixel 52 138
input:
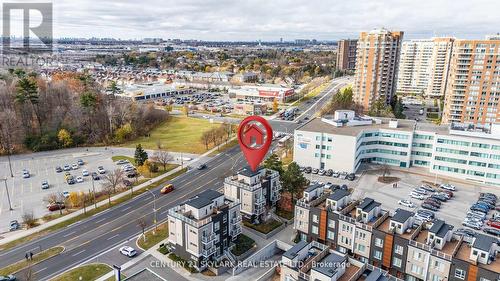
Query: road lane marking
pixel 124 209
pixel 114 236
pixel 76 254
pixel 101 220
pixel 36 272
pixel 71 233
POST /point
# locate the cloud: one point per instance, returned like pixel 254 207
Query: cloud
pixel 272 19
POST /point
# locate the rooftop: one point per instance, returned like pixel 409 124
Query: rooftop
pixel 384 226
pixel 329 264
pixel 440 228
pixel 339 194
pixel 448 249
pixel 248 172
pixel 368 204
pixel 464 253
pixel 292 252
pixel 203 199
pixel 402 215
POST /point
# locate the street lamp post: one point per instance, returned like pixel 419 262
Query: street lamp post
pixel 154 209
pixel 93 191
pixel 8 196
pixel 10 164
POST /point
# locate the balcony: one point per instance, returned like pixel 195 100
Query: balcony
pixel 236 219
pixel 208 252
pixel 208 238
pixel 236 231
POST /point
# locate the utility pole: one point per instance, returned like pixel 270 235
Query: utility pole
pixel 10 164
pixel 8 196
pixel 154 209
pixel 93 192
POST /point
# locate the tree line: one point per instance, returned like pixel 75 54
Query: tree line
pixel 218 135
pixel 69 109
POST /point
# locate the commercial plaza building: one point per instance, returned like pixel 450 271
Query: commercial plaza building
pixel 377 59
pixel 344 141
pixel 393 241
pixel 473 90
pixel 424 66
pixel 346 54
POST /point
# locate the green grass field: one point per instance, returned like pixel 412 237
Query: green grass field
pixel 86 272
pixel 152 239
pixel 180 134
pixel 13 268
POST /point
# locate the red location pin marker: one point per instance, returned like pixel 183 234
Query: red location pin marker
pixel 255 136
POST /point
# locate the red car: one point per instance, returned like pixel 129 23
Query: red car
pixel 495 224
pixel 166 189
pixel 56 206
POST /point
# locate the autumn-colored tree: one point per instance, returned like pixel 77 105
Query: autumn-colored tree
pixel 74 199
pixel 123 133
pixel 275 105
pixel 65 138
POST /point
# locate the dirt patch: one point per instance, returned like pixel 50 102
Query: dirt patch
pixel 388 179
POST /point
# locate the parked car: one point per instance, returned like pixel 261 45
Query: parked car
pixel 101 170
pixel 14 225
pixel 432 202
pixel 58 169
pixel 65 194
pixel 419 191
pixel 350 177
pixel 167 189
pixel 79 179
pixel 441 198
pixel 329 173
pixel 487 204
pixel 450 193
pixel 45 184
pixel 85 173
pixel 128 251
pixel 122 162
pixel 425 215
pixel 80 162
pixel 478 214
pixel 71 180
pixel 416 196
pixel 446 195
pixel 56 206
pixel 492 231
pixel 26 174
pixel 131 174
pixel 471 224
pixel 302 169
pixel 465 232
pixel 321 172
pixel 315 171
pixel 7 277
pixel 448 186
pixel 478 209
pixel 492 223
pixel 308 170
pixel 74 166
pixel 95 176
pixel 429 207
pixel 201 166
pixel 406 203
pixel 483 204
pixel 66 167
pixel 427 188
pixel 336 174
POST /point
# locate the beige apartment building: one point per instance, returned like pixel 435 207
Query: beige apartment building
pixel 473 88
pixel 424 65
pixel 346 54
pixel 377 60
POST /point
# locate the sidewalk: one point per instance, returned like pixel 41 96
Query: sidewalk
pixel 23 233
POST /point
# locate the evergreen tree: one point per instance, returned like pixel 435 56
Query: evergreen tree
pixel 140 155
pixel 273 163
pixel 293 180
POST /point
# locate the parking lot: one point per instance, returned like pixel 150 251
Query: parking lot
pixel 453 211
pixel 26 194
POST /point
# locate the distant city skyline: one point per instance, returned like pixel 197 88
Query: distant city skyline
pixel 224 20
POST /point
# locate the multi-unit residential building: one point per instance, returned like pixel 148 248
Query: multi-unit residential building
pixel 344 142
pixel 473 90
pixel 428 251
pixel 377 60
pixel 203 228
pixel 313 261
pixel 257 191
pixel 346 54
pixel 423 66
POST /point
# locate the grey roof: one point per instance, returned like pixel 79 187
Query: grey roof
pixel 440 228
pixel 483 242
pixel 312 187
pixel 248 172
pixel 144 275
pixel 368 204
pixel 339 194
pixel 203 199
pixel 292 253
pixel 376 275
pixel 329 264
pixel 402 215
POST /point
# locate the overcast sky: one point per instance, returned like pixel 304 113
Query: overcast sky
pixel 271 19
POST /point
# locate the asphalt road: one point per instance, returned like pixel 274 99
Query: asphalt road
pixel 87 239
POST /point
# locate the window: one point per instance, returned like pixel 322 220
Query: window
pixel 417 256
pixel 396 262
pixel 331 223
pixel 438 265
pixel 330 235
pixel 314 229
pixel 398 249
pixel 379 242
pixel 417 269
pixel 315 218
pixel 361 248
pixel 216 226
pixel 483 279
pixel 481 145
pixel 459 273
pixel 377 255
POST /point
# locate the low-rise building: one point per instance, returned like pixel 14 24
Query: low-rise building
pixel 152 91
pixel 264 93
pixel 203 228
pixel 345 141
pixel 257 191
pixel 250 108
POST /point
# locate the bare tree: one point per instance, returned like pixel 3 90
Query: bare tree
pixel 29 275
pixel 141 222
pixel 163 157
pixel 206 138
pixel 113 179
pixel 29 219
pixel 386 170
pixel 108 189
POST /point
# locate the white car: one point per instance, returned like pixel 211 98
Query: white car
pixel 74 166
pixel 101 170
pixel 79 179
pixel 406 203
pixel 65 194
pixel 85 173
pixel 26 174
pixel 416 196
pixel 448 186
pixel 128 251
